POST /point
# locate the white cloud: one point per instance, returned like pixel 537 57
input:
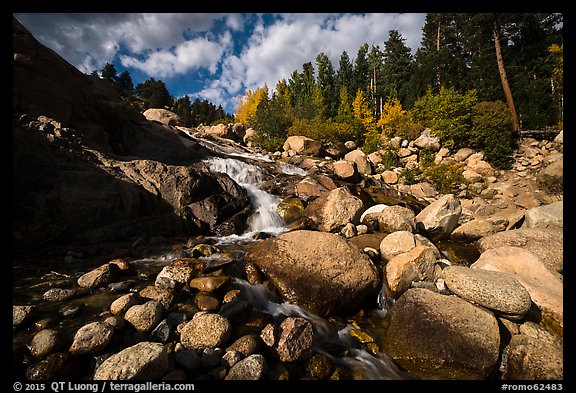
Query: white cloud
pixel 187 56
pixel 165 45
pixel 274 52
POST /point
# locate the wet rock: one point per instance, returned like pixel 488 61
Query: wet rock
pixel 437 220
pixel 209 283
pixel 145 317
pixel 161 332
pixel 396 218
pixel 441 337
pixel 211 358
pixel 497 291
pixel 188 359
pixel 545 289
pixel 57 366
pixel 252 368
pixel 205 330
pixel 22 314
pixel 71 310
pixel 91 338
pixel 143 361
pixel 46 342
pixel 230 358
pixel 295 339
pixel 99 277
pixel 165 296
pixel 318 271
pixel 290 209
pixel 205 302
pixel 319 367
pixel 180 274
pixel 59 294
pixel 529 358
pixel 414 265
pixel 124 302
pixel 247 345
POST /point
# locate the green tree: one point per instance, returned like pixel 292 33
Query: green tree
pixel 361 76
pixel 326 81
pixel 109 73
pixel 154 94
pixel 124 84
pixel 345 74
pixel 182 107
pixel 397 66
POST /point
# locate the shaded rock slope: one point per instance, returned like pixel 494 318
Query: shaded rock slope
pixel 87 168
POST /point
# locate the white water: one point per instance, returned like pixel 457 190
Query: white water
pixel 364 365
pixel 265 217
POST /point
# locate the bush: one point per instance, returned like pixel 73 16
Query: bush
pixel 550 184
pixel 492 132
pixel 324 130
pixel 448 114
pixel 446 178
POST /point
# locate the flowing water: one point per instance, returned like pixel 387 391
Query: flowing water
pixel 241 167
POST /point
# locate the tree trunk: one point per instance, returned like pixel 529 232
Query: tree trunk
pixel 504 79
pixel 438 50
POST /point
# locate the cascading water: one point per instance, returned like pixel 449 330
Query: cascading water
pixel 363 364
pixel 265 217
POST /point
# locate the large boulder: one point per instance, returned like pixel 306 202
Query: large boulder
pixel 545 243
pixel 546 290
pixel 546 216
pixel 162 116
pixel 414 265
pixel 318 271
pixel 333 210
pixel 441 337
pixel 437 220
pixel 303 145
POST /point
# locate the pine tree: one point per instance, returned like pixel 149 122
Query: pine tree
pixel 397 66
pixel 345 74
pixel 154 94
pixel 361 76
pixel 326 82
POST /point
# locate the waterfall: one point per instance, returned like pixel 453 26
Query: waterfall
pixel 265 217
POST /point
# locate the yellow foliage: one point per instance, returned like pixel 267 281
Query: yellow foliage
pixel 247 106
pixel 392 116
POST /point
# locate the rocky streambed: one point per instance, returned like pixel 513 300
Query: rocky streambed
pixel 333 287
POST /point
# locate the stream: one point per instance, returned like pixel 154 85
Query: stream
pixel 361 361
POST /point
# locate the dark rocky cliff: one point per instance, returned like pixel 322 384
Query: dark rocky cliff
pixel 87 168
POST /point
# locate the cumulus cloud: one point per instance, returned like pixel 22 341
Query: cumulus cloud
pixel 189 55
pixel 89 40
pixel 274 51
pixel 235 51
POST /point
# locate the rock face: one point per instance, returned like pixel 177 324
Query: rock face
pixel 320 272
pixel 162 116
pixel 75 140
pixel 461 340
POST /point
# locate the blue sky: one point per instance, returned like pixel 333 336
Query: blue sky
pixel 213 56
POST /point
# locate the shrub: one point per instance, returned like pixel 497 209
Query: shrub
pixel 446 178
pixel 448 113
pixel 492 132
